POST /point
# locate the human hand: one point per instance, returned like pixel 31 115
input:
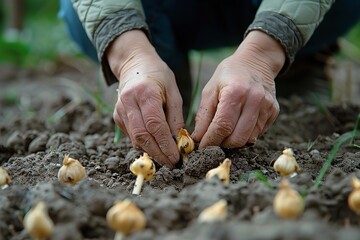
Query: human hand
pixel 149 105
pixel 239 103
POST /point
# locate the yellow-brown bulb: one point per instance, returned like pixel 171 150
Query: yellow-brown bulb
pixel 125 217
pixel 286 164
pixel 72 171
pixel 4 177
pixel 354 197
pixel 185 143
pixel 222 172
pixel 288 203
pixel 144 168
pixel 37 222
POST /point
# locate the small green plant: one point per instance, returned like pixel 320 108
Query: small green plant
pixel 323 108
pixel 356 128
pixel 195 94
pixel 118 134
pixel 339 142
pixel 102 106
pixel 257 174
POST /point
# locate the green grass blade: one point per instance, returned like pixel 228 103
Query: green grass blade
pixel 356 127
pixel 100 103
pixel 118 135
pixel 261 177
pixel 258 175
pixel 195 94
pixel 340 141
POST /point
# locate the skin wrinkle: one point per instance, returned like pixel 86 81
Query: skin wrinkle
pixel 221 121
pixel 152 122
pixel 151 98
pixel 153 125
pixel 226 128
pixel 174 124
pixel 242 137
pixel 204 116
pixel 261 76
pixel 229 99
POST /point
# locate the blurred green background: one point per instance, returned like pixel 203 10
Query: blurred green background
pixel 44 36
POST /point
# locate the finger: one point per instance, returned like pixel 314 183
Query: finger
pixel 156 125
pixel 141 138
pixel 267 116
pixel 259 127
pixel 247 121
pixel 119 115
pixel 174 113
pixel 225 119
pixel 119 122
pixel 204 116
pixel 275 109
pixel 138 133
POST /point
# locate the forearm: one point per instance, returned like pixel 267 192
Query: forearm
pixel 105 20
pixel 262 51
pixel 125 47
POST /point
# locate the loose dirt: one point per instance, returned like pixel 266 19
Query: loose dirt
pixel 35 136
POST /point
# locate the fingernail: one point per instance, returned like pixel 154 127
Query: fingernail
pixel 251 142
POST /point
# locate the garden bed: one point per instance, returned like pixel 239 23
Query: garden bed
pixel 33 147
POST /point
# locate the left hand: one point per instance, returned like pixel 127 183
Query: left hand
pixel 239 102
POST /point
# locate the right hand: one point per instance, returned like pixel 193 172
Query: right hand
pixel 149 104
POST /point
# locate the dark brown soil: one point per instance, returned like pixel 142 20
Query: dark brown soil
pixel 33 145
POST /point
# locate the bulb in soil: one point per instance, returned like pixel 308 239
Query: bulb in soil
pixel 288 203
pixel 37 222
pixel 354 197
pixel 72 171
pixel 185 143
pixel 124 218
pixel 286 164
pixel 4 177
pixel 214 213
pixel 144 168
pixel 222 172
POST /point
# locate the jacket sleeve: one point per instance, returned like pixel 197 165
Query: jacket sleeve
pixel 291 22
pixel 104 20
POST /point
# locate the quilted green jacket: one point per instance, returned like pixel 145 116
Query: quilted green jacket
pixel 291 22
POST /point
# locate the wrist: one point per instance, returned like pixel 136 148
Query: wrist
pixel 125 48
pixel 264 50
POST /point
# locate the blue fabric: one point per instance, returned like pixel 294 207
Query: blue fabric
pixel 178 26
pixel 76 30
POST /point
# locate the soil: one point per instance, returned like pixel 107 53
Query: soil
pixel 35 136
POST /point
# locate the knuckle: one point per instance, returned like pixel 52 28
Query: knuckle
pixel 240 89
pixel 258 94
pixel 156 129
pixel 125 97
pixel 223 127
pixel 141 137
pixel 153 125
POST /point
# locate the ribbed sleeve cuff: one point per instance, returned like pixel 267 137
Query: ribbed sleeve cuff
pixel 282 29
pixel 110 28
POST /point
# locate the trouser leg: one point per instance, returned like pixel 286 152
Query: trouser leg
pixel 76 30
pixel 164 40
